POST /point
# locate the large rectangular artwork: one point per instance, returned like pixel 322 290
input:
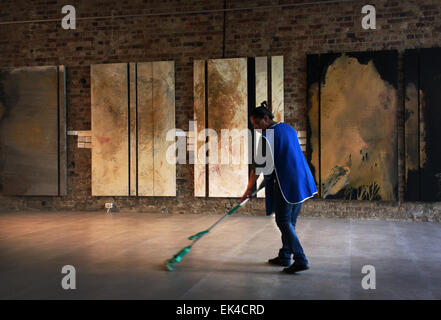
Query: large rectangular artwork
pixel 422 77
pixel 352 124
pixel 33 131
pixel 133 110
pixel 225 92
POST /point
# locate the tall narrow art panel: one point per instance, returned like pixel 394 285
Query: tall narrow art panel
pixel 422 124
pixel 430 120
pixel 133 111
pixel 33 131
pixel 357 127
pixel 164 168
pixel 145 129
pixel 277 93
pixel 261 66
pixel 133 129
pixel 313 117
pixel 199 88
pixel 62 130
pixel 412 123
pixel 261 95
pixel 110 129
pixel 227 109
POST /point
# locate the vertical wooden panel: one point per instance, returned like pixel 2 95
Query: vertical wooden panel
pixel 164 176
pixel 227 109
pixel 430 120
pixel 277 90
pixel 145 129
pixel 62 117
pixel 261 95
pixel 411 104
pixel 29 131
pixel 261 80
pixel 313 117
pixel 133 129
pixel 199 117
pixel 110 130
pixel 422 133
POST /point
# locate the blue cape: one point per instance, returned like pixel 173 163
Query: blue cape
pixel 292 171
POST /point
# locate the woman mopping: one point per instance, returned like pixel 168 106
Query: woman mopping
pixel 288 183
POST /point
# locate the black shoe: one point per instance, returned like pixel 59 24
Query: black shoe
pixel 279 262
pixel 296 268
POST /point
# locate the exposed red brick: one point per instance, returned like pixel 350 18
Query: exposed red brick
pixel 292 31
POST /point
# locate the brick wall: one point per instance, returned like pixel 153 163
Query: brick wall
pixel 293 32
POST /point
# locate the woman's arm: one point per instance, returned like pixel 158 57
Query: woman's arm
pixel 261 151
pixel 252 180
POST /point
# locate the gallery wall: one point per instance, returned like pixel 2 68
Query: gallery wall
pixel 292 32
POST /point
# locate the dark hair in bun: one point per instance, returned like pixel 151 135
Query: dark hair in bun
pixel 262 111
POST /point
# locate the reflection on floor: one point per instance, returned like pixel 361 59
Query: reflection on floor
pixel 121 256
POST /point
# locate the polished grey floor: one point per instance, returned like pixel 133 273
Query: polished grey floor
pixel 121 256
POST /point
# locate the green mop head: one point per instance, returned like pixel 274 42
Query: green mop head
pixel 177 258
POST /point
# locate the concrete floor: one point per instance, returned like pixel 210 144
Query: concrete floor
pixel 121 256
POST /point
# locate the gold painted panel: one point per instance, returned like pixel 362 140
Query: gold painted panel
pixel 227 109
pixel 133 129
pixel 277 90
pixel 358 131
pixel 199 117
pixel 110 130
pixel 145 129
pixel 164 176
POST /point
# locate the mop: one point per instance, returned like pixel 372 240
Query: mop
pixel 170 263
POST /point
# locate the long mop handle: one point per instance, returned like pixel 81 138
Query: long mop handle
pixel 199 235
pixel 178 257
